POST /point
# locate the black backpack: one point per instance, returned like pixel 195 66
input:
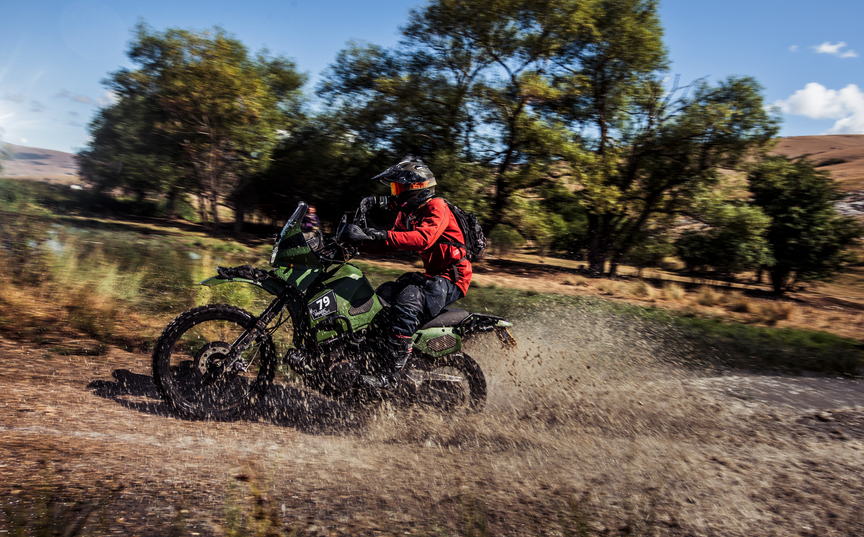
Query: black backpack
pixel 475 240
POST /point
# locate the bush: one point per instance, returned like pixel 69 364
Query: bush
pixel 831 162
pixel 707 296
pixel 504 239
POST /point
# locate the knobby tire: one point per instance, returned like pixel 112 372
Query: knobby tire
pixel 192 344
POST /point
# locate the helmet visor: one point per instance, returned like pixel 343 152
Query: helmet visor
pixel 401 188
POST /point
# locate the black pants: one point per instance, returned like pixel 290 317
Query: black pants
pixel 415 299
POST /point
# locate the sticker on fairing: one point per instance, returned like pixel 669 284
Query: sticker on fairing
pixel 323 305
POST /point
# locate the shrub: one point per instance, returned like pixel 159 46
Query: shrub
pixel 642 289
pixel 737 302
pixel 831 162
pixel 673 291
pixel 504 239
pixel 707 296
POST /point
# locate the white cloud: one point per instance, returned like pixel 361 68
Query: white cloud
pixel 15 98
pixel 815 101
pixel 793 48
pixel 107 99
pixel 66 94
pixel 835 50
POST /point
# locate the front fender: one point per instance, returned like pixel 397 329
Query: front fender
pixel 273 286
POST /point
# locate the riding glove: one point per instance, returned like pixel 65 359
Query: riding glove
pixel 354 234
pixel 376 234
pixel 375 201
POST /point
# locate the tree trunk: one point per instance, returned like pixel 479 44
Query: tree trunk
pixel 172 204
pixel 239 215
pixel 779 279
pixel 598 246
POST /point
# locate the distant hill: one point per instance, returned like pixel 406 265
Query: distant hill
pixel 841 154
pixel 40 164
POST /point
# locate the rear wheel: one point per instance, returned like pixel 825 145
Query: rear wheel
pixel 195 372
pixel 453 384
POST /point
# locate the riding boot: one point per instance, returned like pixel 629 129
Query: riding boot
pixel 398 352
pixel 402 348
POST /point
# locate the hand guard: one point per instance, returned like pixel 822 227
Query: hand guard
pixel 376 234
pixel 246 272
pixel 354 234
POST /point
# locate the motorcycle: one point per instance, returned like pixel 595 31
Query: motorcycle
pixel 217 360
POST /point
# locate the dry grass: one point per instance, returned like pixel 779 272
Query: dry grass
pixel 642 290
pixel 736 302
pixel 610 287
pixel 578 281
pixel 673 292
pixel 771 312
pixel 708 296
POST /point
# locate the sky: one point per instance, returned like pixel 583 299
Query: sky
pixel 808 55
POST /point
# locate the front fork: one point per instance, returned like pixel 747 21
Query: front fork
pixel 250 335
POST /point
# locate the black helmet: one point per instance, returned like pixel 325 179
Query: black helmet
pixel 411 182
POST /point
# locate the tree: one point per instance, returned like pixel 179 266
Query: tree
pixel 731 240
pixel 808 238
pixel 126 152
pixel 653 146
pixel 203 94
pixel 464 91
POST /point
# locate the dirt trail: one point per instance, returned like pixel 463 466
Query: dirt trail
pixel 592 423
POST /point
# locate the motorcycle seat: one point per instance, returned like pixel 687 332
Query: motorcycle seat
pixel 448 317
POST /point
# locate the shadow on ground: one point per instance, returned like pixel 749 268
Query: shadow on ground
pixel 284 405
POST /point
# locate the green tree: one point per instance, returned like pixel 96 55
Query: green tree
pixel 220 107
pixel 731 240
pixel 464 91
pixel 126 152
pixel 653 146
pixel 809 239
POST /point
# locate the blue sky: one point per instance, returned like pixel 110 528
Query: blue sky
pixel 808 55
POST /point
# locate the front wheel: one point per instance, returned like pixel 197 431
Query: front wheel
pixel 453 383
pixel 195 370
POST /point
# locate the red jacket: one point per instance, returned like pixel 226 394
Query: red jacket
pixel 419 231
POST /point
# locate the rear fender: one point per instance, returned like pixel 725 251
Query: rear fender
pixel 479 323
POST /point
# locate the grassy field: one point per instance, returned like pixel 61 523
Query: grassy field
pixel 106 278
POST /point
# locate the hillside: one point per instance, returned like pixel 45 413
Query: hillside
pixel 41 164
pixel 843 155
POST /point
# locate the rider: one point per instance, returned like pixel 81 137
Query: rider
pixel 426 225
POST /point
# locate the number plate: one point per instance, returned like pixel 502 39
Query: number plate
pixel 323 306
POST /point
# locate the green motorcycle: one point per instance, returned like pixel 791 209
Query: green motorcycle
pixel 215 361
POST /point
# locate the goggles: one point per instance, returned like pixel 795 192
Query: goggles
pixel 401 188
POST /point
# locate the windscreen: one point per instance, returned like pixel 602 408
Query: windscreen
pixel 298 215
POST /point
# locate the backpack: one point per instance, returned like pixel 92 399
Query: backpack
pixel 475 240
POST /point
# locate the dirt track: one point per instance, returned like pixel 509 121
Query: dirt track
pixel 588 429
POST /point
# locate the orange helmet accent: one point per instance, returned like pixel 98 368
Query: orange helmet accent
pixel 399 188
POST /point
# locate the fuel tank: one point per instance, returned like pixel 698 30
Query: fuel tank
pixel 346 303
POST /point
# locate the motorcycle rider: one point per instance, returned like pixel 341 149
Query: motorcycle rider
pixel 426 225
